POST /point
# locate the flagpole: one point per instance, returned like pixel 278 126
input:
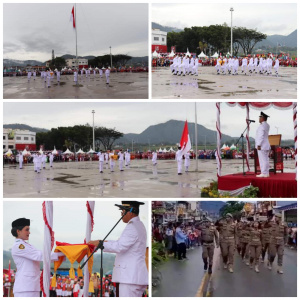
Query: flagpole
pixel 76 43
pixel 196 137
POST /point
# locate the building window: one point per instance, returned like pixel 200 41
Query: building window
pixel 32 139
pixel 10 147
pixel 18 138
pixel 163 39
pixel 4 137
pixel 156 38
pixel 3 147
pixel 25 138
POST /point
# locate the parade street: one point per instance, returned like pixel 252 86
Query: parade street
pixel 187 278
pixel 141 179
pixel 121 86
pixel 209 85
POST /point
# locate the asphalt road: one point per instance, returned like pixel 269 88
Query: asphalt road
pixel 187 278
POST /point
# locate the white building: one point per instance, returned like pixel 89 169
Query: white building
pixel 82 63
pixel 18 139
pixel 159 40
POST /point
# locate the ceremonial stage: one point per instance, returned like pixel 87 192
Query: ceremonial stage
pixel 281 185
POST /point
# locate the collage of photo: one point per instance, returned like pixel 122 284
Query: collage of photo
pixel 173 170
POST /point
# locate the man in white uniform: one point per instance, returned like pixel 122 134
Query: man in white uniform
pixel 154 158
pixel 121 160
pixel 262 145
pixel 27 260
pixel 101 161
pixel 107 74
pixel 187 161
pixel 276 66
pixel 130 269
pixel 127 158
pixel 51 157
pixel 21 160
pixel 111 161
pixel 178 158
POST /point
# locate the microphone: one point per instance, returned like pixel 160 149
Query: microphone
pixel 251 121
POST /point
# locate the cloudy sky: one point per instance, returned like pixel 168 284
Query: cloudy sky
pixel 69 220
pixel 136 117
pixel 31 31
pixel 269 18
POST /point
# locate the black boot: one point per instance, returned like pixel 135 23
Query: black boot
pixel 209 269
pixel 205 263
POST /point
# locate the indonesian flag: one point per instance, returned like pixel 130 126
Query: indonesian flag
pixel 72 17
pixel 185 141
pixel 9 272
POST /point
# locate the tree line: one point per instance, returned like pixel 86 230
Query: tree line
pixel 215 38
pixel 76 137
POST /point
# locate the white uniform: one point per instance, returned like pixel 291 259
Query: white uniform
pixel 75 76
pixel 29 76
pixel 121 160
pixel 51 160
pixel 27 259
pixel 106 157
pixel 261 139
pixel 130 269
pixel 34 162
pixel 127 158
pixel 101 161
pixel 34 75
pixel 107 73
pixel 38 163
pixel 276 66
pixel 101 73
pixel 218 66
pixel 44 161
pixel 195 69
pixel 179 161
pixel 154 158
pixel 187 161
pixel 58 76
pixel 191 65
pixel 21 160
pixel 111 162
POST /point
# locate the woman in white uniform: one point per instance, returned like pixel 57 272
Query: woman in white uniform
pixel 27 260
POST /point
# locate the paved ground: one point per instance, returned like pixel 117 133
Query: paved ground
pixel 121 86
pixel 141 180
pixel 187 278
pixel 208 85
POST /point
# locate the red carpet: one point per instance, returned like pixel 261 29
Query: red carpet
pixel 281 185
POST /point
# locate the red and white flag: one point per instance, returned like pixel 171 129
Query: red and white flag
pixel 72 17
pixel 185 141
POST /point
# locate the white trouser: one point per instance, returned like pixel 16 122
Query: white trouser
pixel 195 70
pixel 27 294
pixel 34 166
pixel 218 68
pixel 107 79
pixel 112 165
pixel 263 157
pixel 101 166
pixel 51 163
pixel 121 165
pixel 21 164
pixel 131 290
pixel 244 67
pixel 44 164
pixel 127 162
pixel 179 166
pixel 186 167
pixel 276 69
pixel 154 162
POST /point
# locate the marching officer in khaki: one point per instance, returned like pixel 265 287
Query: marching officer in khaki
pixel 266 235
pixel 130 270
pixel 239 228
pixel 228 242
pixel 255 245
pixel 209 236
pixel 245 242
pixel 278 239
pixel 27 259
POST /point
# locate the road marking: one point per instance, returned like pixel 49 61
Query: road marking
pixel 201 288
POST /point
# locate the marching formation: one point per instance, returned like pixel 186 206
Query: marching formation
pixel 250 66
pixel 184 65
pixel 253 240
pixel 39 161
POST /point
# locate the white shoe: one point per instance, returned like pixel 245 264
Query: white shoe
pixel 279 270
pixel 256 269
pixel 266 175
pixel 260 175
pixel 269 266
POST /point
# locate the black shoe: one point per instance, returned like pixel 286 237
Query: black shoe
pixel 101 171
pixel 179 173
pixel 210 269
pixel 205 266
pixel 180 258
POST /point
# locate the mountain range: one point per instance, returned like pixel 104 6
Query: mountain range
pixel 271 40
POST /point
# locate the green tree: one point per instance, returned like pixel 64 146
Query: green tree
pixel 107 136
pixel 232 207
pixel 57 62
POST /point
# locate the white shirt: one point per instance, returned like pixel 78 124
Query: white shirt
pixel 130 265
pixel 262 134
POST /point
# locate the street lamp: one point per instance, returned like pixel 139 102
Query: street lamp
pixel 110 57
pixel 93 112
pixel 231 9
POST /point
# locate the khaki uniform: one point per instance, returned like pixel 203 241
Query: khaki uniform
pixel 228 243
pixel 266 235
pixel 209 237
pixel 255 245
pixel 245 242
pixel 278 237
pixel 239 229
pixel 219 226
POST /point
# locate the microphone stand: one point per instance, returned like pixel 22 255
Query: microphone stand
pixel 242 137
pixel 101 247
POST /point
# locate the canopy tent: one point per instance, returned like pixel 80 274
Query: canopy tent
pixel 80 151
pixel 172 54
pixel 155 54
pixel 41 151
pixel 259 106
pixel 232 147
pixel 171 149
pixel 187 52
pixel 160 150
pixel 91 151
pixel 25 152
pixel 228 54
pixel 165 150
pixel 54 152
pixel 224 146
pixel 216 55
pixel 68 152
pixel 202 55
pixel 8 153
